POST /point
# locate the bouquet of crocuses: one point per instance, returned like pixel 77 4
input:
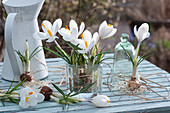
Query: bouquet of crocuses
pixel 84 45
pixel 85 51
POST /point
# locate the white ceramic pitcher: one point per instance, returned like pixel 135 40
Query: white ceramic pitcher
pixel 21 23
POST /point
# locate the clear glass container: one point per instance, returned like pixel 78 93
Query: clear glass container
pixel 122 63
pixel 122 66
pixel 81 76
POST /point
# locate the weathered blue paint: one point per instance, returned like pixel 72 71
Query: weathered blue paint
pixel 126 104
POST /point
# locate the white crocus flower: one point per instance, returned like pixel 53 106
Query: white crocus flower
pixel 71 34
pixel 49 30
pixel 28 97
pixel 142 33
pixel 87 41
pixel 100 100
pixel 106 30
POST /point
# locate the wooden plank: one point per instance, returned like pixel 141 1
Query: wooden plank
pixel 125 104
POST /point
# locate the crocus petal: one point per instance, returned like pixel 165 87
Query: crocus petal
pixel 51 39
pixel 64 32
pixel 74 32
pixel 57 25
pixel 105 32
pixel 67 38
pixel 142 33
pixel 148 34
pixel 81 44
pixel 75 41
pixel 73 24
pixel 145 35
pixel 40 97
pixel 135 31
pixel 91 45
pixel 87 36
pixel 22 103
pixel 47 26
pixel 82 26
pixel 104 23
pixel 23 92
pixel 143 28
pixel 40 36
pixel 95 37
pixel 114 30
pixel 32 100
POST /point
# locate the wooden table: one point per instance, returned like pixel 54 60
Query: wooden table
pixel 125 104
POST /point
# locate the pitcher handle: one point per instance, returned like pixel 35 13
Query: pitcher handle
pixel 8 42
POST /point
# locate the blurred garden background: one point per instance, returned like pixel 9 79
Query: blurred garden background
pixel 123 14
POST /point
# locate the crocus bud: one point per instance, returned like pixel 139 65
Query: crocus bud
pixel 100 100
pixel 27 63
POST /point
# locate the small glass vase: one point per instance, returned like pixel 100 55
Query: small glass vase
pixel 123 69
pixel 122 64
pixel 79 77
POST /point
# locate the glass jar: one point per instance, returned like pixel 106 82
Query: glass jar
pixel 122 65
pixel 79 77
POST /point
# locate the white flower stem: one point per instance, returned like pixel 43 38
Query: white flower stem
pixel 57 95
pixel 135 60
pixel 58 100
pixel 60 47
pixel 9 95
pixel 137 50
pixel 77 99
pixel 70 98
pixel 55 99
pixel 57 43
pixel 2 94
pixel 27 66
pixel 4 91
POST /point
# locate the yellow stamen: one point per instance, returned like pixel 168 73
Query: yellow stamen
pixel 49 32
pixel 86 44
pixel 26 99
pixel 107 101
pixel 68 29
pixel 109 25
pixel 43 25
pixel 30 93
pixel 84 40
pixel 82 36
